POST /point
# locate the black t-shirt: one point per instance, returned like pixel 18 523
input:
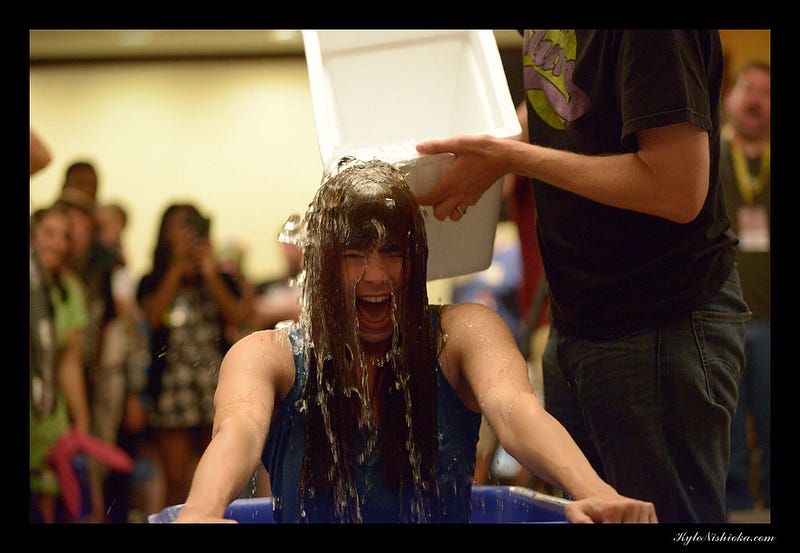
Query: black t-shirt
pixel 610 270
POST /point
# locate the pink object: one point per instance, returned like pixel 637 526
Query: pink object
pixel 74 442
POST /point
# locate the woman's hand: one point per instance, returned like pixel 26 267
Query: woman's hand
pixel 186 515
pixel 613 509
pixel 204 256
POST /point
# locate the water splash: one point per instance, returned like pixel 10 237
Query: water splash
pixel 253 488
pixel 292 230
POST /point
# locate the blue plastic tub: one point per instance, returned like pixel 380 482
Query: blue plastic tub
pixel 490 505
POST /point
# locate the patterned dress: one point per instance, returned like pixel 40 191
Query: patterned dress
pixel 186 351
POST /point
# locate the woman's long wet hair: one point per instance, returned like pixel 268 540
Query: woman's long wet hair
pixel 367 205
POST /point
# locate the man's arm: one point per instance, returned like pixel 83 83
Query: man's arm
pixel 667 177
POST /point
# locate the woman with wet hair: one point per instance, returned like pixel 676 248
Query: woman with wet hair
pixel 368 408
pixel 367 207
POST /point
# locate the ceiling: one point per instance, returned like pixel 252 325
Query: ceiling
pixel 128 44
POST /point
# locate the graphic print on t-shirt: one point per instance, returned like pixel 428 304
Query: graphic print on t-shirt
pixel 548 64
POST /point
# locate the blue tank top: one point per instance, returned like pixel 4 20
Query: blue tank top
pixel 455 465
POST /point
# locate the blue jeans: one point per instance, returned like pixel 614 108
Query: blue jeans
pixel 652 410
pixel 754 397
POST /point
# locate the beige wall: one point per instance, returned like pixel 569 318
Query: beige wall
pixel 236 137
pixel 743 45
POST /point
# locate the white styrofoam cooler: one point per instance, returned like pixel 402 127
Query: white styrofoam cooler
pixel 377 93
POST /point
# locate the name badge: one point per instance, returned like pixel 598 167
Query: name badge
pixel 753 228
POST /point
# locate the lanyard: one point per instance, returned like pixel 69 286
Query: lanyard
pixel 750 185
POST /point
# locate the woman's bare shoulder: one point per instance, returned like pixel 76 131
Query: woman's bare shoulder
pixel 266 352
pixel 465 315
pixel 264 339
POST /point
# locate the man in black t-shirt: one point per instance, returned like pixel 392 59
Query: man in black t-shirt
pixel 647 338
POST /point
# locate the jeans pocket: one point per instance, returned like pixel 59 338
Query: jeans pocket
pixel 721 342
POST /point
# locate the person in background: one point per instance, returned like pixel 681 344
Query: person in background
pixel 121 377
pixel 59 316
pixel 278 299
pixel 497 286
pixel 231 259
pixel 66 405
pixel 623 152
pixel 89 258
pixel 82 176
pixel 187 302
pixel 111 220
pixel 93 264
pixel 44 388
pixel 745 175
pixel 339 405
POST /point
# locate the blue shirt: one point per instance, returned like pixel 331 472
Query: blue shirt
pixel 455 464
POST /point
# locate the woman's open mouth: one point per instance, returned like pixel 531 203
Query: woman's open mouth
pixel 374 312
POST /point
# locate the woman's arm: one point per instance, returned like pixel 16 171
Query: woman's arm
pixel 72 380
pixel 490 365
pixel 235 309
pixel 155 303
pixel 254 373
